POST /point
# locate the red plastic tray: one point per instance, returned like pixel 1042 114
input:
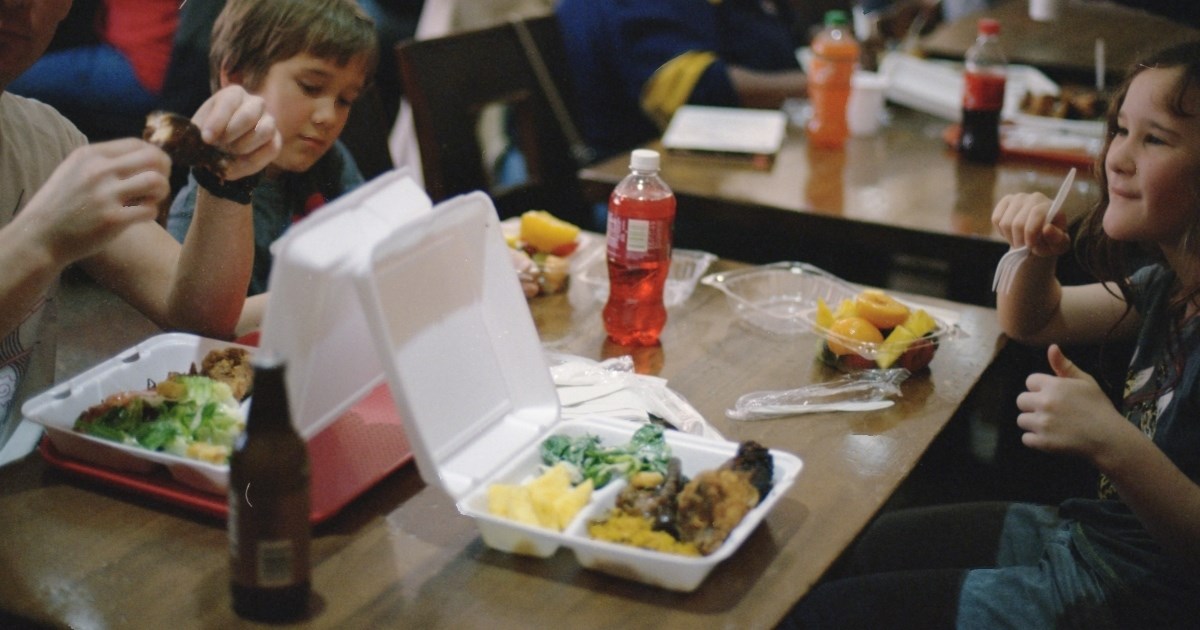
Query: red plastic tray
pixel 1079 159
pixel 355 452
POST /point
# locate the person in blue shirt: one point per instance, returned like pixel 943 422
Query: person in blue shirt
pixel 309 61
pixel 635 62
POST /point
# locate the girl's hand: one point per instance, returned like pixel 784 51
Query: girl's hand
pixel 1021 219
pixel 238 123
pixel 94 195
pixel 1068 412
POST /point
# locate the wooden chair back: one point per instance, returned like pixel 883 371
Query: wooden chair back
pixel 449 81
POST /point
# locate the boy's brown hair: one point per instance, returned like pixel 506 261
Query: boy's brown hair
pixel 250 36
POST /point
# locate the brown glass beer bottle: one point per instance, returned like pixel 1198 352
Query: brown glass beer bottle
pixel 269 525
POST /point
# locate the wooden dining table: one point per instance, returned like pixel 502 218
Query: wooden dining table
pixel 80 553
pixel 1065 48
pixel 900 194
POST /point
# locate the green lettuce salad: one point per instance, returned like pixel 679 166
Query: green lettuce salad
pixel 190 416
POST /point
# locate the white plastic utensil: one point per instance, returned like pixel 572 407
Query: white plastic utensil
pixel 763 412
pixel 1006 269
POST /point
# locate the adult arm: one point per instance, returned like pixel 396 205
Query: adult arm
pixel 767 90
pixel 97 192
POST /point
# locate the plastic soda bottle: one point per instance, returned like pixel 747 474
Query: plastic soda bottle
pixel 269 528
pixel 983 95
pixel 641 216
pixel 835 56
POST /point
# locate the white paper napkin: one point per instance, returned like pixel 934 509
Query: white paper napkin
pixel 612 389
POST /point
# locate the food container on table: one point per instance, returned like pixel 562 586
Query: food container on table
pixel 335 380
pixel 782 298
pixel 470 379
pixel 57 408
pixel 687 267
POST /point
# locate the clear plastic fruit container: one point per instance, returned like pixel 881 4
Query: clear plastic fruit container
pixel 782 298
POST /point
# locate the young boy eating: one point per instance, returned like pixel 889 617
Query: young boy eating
pixel 308 60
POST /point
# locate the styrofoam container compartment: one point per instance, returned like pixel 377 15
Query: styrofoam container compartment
pixel 466 368
pixel 675 572
pixel 57 408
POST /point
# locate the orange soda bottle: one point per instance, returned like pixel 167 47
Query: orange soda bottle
pixel 641 217
pixel 835 56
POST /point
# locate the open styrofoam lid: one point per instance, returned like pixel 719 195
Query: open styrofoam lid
pixel 313 318
pixel 459 345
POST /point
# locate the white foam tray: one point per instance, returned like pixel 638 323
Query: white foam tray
pixel 670 571
pixel 57 408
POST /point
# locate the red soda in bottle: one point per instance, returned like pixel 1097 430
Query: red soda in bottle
pixel 983 95
pixel 641 216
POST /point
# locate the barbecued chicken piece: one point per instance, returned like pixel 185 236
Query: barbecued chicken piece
pixel 712 504
pixel 654 499
pixel 755 459
pixel 232 367
pixel 180 138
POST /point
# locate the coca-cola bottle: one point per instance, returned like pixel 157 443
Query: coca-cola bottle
pixel 983 95
pixel 641 216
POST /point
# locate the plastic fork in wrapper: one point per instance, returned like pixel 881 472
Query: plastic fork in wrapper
pixel 863 390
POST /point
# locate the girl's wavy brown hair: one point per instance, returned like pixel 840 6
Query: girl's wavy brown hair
pixel 1113 261
pixel 250 36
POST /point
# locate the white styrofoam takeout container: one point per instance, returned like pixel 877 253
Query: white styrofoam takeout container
pixel 466 368
pixel 332 362
pixel 57 408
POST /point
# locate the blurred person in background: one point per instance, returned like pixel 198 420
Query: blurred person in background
pixel 635 62
pixel 107 85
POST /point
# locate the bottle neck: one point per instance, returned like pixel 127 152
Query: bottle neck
pixel 269 410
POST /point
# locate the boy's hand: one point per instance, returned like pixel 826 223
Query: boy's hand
pixel 237 122
pixel 1068 412
pixel 94 195
pixel 1021 219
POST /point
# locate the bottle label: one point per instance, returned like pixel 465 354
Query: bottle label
pixel 275 563
pixel 634 240
pixel 983 92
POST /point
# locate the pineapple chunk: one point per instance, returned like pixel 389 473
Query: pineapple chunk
pixel 920 323
pixel 845 309
pixel 512 502
pixel 569 504
pixel 824 315
pixel 546 232
pixel 894 346
pixel 544 492
pixel 547 501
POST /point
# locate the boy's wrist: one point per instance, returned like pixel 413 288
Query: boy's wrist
pixel 237 190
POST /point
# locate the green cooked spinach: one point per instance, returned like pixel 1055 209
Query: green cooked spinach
pixel 647 451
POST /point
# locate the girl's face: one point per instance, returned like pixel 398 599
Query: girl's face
pixel 1153 163
pixel 310 99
